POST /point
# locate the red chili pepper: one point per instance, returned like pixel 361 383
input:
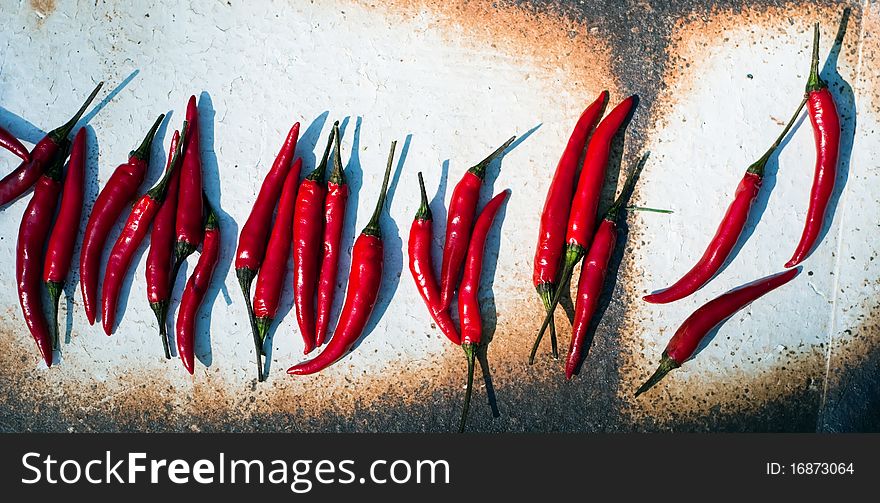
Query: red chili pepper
pixel 826 133
pixel 188 223
pixel 554 217
pixel 133 232
pixel 121 188
pixel 196 288
pixel 308 223
pixel 334 219
pixel 459 221
pixel 255 233
pixel 688 336
pixel 363 289
pixel 594 271
pixel 468 301
pixel 728 232
pixel 35 226
pixel 421 265
pixel 60 248
pixel 274 268
pixel 582 217
pixel 27 173
pixel 158 268
pixel 11 143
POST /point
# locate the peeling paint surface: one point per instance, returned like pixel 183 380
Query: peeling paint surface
pixel 450 81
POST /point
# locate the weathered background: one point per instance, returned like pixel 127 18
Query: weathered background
pixel 451 80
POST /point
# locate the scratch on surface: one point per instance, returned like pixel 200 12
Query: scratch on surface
pixel 832 325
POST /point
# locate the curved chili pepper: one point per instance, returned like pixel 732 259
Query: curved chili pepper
pixel 255 232
pixel 308 222
pixel 133 232
pixel 551 232
pixel 158 268
pixel 459 221
pixel 594 270
pixel 826 133
pixel 273 271
pixel 334 219
pixel 363 289
pixel 729 229
pixel 28 172
pixel 421 265
pixel 468 302
pixel 688 336
pixel 196 288
pixel 60 248
pixel 11 143
pixel 188 223
pixel 35 225
pixel 582 217
pixel 120 189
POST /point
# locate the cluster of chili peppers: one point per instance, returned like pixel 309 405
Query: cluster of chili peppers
pixel 463 249
pixel 568 233
pixel 308 226
pixel 826 131
pixel 36 262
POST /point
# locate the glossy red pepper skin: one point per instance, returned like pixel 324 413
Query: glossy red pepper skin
pixel 159 258
pixel 119 191
pixel 590 286
pixel 35 226
pixel 581 222
pixel 255 233
pixel 459 221
pixel 367 260
pixel 689 335
pixel 308 224
pixel 826 133
pixel 195 290
pixel 188 223
pixel 133 232
pixel 468 300
pixel 554 217
pixel 334 219
pixel 729 230
pixel 28 172
pixel 11 143
pixel 59 251
pixel 421 266
pixel 273 270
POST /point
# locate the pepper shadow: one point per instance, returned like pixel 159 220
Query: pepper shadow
pixel 157 158
pixel 612 276
pixel 104 102
pixel 20 127
pixel 392 247
pixel 844 98
pixel 228 230
pixel 305 149
pixel 90 193
pixel 488 310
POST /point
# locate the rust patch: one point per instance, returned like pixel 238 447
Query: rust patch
pixel 43 8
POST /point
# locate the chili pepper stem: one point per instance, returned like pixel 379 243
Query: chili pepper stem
pixel 372 228
pixel 757 167
pixel 245 278
pixel 573 254
pixel 545 291
pixel 143 151
pixel 60 133
pixel 54 290
pixel 160 309
pixel 263 324
pixel 815 82
pixel 480 168
pixel 469 352
pixel 666 364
